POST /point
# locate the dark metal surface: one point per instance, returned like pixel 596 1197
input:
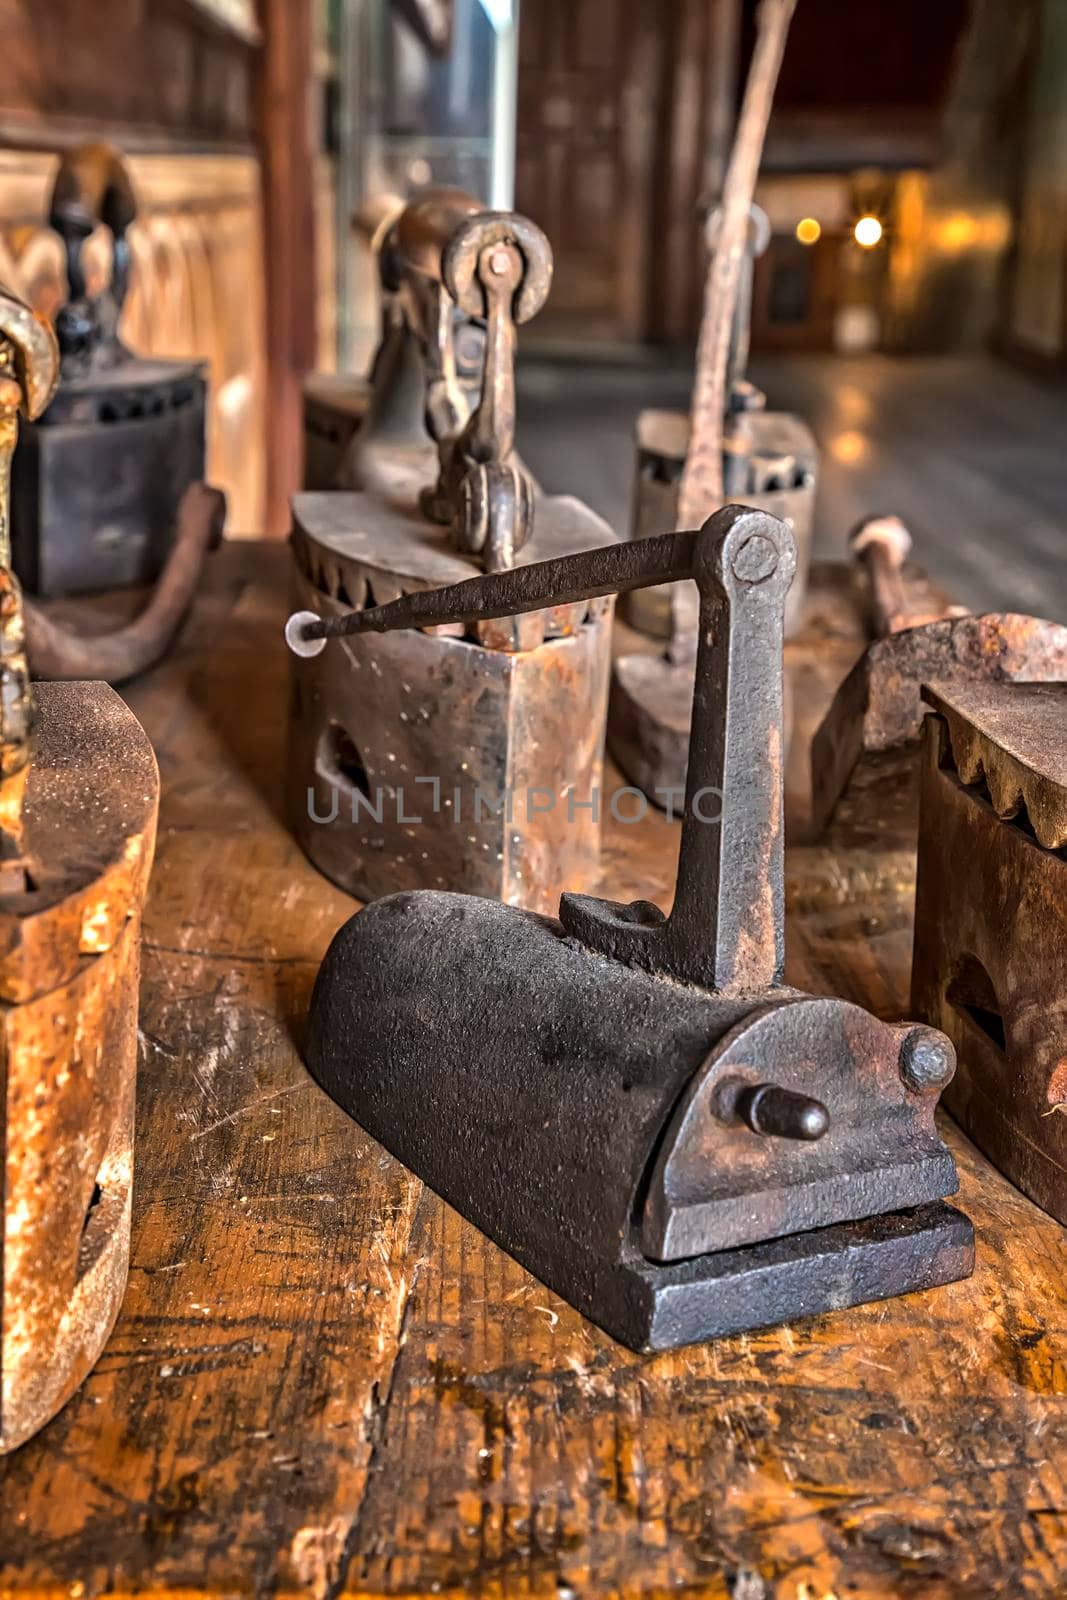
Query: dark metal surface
pixel 725 928
pixel 99 478
pixel 633 1104
pixel 990 964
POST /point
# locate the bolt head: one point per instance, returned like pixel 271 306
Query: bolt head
pixel 927 1060
pixel 756 560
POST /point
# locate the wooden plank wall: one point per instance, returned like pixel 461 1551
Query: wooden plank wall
pixel 175 90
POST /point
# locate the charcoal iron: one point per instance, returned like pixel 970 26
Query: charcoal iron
pixel 633 1105
pixel 865 754
pixel 458 757
pixel 79 792
pixel 98 479
pixel 990 963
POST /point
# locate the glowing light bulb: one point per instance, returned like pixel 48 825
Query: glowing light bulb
pixel 867 232
pixel 808 230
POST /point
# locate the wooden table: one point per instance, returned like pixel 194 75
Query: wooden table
pixel 323 1381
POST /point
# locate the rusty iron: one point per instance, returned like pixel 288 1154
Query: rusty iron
pixel 634 1104
pixel 69 982
pixel 99 477
pixel 336 404
pixel 881 546
pixel 443 758
pixel 865 753
pixel 79 792
pixel 781 470
pixel 990 960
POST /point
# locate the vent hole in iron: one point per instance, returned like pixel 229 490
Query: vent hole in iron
pixel 341 758
pixel 94 1200
pixel 971 992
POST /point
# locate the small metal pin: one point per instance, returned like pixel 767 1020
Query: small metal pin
pixel 770 1109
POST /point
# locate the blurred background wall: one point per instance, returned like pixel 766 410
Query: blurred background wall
pixel 173 85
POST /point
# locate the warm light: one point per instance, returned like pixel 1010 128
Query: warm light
pixel 867 232
pixel 848 447
pixel 808 230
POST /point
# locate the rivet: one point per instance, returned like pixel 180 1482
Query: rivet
pixel 927 1060
pixel 756 560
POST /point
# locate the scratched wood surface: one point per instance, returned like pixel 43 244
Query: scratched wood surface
pixel 324 1382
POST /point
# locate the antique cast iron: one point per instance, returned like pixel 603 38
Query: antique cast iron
pixel 78 800
pixel 99 477
pixel 990 962
pixel 865 753
pixel 635 1105
pixel 458 757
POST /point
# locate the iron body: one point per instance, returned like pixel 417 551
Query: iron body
pixel 98 482
pixel 777 472
pixel 453 758
pixel 635 1105
pixel 430 760
pixel 990 963
pixel 99 477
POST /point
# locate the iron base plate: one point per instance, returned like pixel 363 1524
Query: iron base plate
pixel 652 1307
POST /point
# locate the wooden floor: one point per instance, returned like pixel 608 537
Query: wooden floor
pixel 971 453
pixel 324 1382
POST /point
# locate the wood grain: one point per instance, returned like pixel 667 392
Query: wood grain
pixel 324 1382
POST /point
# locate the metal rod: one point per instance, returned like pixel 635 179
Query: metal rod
pixel 608 569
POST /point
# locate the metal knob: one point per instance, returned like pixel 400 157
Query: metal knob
pixel 770 1109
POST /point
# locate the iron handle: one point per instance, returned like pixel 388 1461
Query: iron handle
pixel 92 187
